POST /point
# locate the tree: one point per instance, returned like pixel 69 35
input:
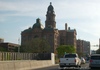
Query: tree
pixel 3 49
pixel 16 49
pixel 62 49
pixel 36 45
pixel 98 51
pixel 80 54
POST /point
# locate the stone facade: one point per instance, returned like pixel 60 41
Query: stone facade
pixel 80 47
pixel 83 47
pixel 54 36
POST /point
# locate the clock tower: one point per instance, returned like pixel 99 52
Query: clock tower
pixel 50 17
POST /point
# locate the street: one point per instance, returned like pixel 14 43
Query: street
pixel 56 67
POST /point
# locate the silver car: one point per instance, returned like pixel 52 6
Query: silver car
pixel 94 61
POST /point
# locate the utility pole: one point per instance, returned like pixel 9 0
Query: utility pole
pixel 19 45
pixel 99 43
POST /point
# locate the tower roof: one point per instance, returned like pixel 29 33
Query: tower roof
pixel 38 24
pixel 50 7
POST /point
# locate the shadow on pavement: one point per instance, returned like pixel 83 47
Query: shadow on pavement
pixel 55 67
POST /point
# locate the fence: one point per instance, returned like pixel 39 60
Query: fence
pixel 24 56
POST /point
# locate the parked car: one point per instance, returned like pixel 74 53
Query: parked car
pixel 83 61
pixel 94 61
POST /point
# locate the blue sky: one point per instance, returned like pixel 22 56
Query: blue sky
pixel 82 15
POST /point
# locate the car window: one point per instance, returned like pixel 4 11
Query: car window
pixel 70 55
pixel 95 57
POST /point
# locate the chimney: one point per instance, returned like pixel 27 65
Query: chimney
pixel 68 28
pixel 65 26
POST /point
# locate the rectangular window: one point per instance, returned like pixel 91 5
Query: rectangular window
pixel 70 55
pixel 95 57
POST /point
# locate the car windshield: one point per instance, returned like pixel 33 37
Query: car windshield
pixel 95 57
pixel 70 55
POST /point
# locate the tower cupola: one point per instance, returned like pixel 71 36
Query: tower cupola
pixel 50 8
pixel 50 17
pixel 38 24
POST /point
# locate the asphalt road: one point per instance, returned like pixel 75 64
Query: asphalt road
pixel 56 67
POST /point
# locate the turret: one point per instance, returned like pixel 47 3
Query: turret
pixel 50 17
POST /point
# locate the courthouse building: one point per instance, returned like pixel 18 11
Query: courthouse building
pixel 54 36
